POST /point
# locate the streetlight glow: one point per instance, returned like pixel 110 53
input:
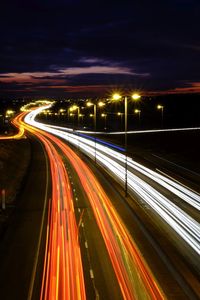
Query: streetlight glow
pixel 71 109
pixel 89 104
pixel 161 107
pixel 136 96
pixel 100 104
pixel 137 111
pixel 9 112
pixel 116 96
pixel 94 115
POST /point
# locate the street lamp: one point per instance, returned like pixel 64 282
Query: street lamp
pixel 136 96
pixel 161 107
pixel 117 97
pixel 73 108
pixel 138 111
pixel 81 116
pixel 105 119
pixel 9 113
pixel 100 104
pixel 121 117
pixel 61 111
pixel 72 115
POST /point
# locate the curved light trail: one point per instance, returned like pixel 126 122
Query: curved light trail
pixel 63 272
pixel 20 132
pixel 130 131
pixel 134 277
pixel 182 223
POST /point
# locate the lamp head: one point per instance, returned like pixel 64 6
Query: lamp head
pixel 89 104
pixel 136 96
pixel 116 96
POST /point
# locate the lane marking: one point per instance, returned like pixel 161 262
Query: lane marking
pixel 91 274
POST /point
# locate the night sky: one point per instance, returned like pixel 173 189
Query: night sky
pixel 64 48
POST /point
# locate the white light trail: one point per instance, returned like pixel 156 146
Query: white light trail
pixel 128 132
pixel 113 161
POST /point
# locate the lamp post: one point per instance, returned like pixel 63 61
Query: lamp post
pixel 74 107
pixel 81 116
pixel 72 115
pixel 121 116
pixel 100 104
pixel 138 111
pixel 61 111
pixel 116 97
pixel 95 126
pixel 105 119
pixel 161 107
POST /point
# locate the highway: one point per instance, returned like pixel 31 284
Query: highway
pixel 133 276
pixel 63 272
pixel 112 160
pixel 178 219
pixel 99 245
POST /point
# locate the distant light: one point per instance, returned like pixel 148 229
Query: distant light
pixel 91 115
pixel 9 112
pixel 103 115
pixel 119 113
pixel 74 107
pixel 116 96
pixel 100 104
pixel 137 111
pixel 160 106
pixel 89 104
pixel 136 96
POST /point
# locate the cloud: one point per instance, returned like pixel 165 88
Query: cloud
pixel 153 44
pixel 100 70
pixel 65 72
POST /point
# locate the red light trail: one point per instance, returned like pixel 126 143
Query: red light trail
pixel 63 275
pixel 63 272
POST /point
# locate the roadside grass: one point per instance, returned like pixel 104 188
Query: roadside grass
pixel 14 161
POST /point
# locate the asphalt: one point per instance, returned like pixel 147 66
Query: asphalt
pixel 157 244
pixel 22 260
pixel 19 242
pixel 177 279
pixel 100 279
